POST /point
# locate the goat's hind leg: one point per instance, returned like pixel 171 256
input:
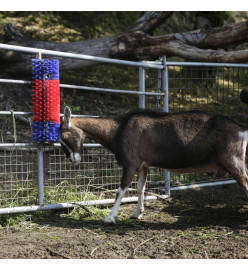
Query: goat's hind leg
pixel 242 180
pixel 128 175
pixel 141 189
pixel 238 170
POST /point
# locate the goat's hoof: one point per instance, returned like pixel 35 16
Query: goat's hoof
pixel 109 220
pixel 136 216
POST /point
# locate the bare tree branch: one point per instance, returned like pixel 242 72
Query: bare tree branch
pixel 192 53
pixel 150 21
pixel 217 37
pixel 139 45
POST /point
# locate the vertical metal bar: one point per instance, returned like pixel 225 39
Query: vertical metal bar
pixel 158 89
pixel 165 89
pixel 40 165
pixel 40 175
pixel 142 103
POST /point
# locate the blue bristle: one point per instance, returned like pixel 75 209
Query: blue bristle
pixel 45 69
pixel 45 131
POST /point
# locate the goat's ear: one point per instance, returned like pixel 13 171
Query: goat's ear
pixel 67 118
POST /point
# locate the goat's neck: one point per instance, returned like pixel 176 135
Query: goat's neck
pixel 101 130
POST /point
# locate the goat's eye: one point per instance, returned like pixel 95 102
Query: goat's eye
pixel 64 137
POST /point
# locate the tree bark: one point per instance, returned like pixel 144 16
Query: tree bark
pixel 138 46
pixel 216 37
pixel 150 21
pixel 136 43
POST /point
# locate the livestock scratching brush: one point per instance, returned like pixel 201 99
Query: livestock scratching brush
pixel 45 100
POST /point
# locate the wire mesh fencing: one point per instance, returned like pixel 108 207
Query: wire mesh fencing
pixel 18 177
pixel 212 89
pixel 95 177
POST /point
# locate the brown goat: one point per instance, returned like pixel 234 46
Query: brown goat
pixel 182 142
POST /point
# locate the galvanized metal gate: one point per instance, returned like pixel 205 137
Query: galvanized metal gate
pixel 37 177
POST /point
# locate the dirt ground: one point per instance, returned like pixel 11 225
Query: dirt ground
pixel 203 223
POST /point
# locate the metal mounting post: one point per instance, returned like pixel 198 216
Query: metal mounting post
pixel 142 103
pixel 40 163
pixel 40 175
pixel 165 89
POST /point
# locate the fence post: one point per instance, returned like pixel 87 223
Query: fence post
pixel 142 103
pixel 158 89
pixel 40 175
pixel 165 89
pixel 40 163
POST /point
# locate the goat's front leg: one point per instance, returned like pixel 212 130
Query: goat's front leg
pixel 128 175
pixel 141 190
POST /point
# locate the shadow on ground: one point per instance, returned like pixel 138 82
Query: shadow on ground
pixel 219 206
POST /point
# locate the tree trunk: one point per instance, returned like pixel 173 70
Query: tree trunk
pixel 20 63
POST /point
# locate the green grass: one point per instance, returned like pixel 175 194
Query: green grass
pixel 61 193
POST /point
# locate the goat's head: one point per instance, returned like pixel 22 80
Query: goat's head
pixel 244 95
pixel 71 138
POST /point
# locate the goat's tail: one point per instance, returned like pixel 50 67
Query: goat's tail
pixel 244 135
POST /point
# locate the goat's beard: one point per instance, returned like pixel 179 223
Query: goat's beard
pixel 75 158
